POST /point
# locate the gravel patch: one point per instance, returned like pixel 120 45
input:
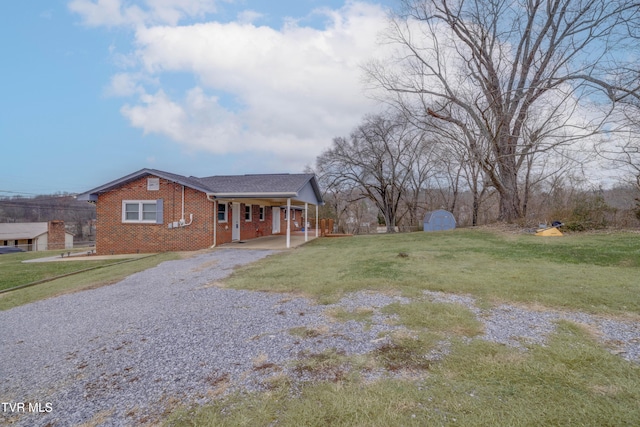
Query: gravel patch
pixel 128 353
pixel 517 326
pixel 125 354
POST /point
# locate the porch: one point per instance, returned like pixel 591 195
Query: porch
pixel 273 242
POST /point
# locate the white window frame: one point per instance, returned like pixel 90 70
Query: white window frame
pixel 226 212
pixel 140 211
pixel 261 213
pixel 248 209
pixel 293 214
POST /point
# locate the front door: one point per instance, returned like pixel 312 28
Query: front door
pixel 276 220
pixel 235 221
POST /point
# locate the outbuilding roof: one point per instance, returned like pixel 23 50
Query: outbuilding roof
pixel 22 230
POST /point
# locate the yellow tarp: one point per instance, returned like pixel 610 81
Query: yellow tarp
pixel 551 231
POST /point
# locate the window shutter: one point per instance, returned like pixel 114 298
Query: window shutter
pixel 159 211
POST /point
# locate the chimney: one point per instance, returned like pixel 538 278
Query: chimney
pixel 56 235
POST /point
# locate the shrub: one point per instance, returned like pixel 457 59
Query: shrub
pixel 589 213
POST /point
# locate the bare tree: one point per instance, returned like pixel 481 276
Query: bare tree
pixel 496 69
pixel 423 167
pixel 377 160
pixel 623 147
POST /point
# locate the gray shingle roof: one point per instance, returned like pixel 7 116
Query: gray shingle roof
pixel 266 183
pixel 259 185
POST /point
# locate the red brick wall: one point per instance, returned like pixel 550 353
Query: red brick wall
pixel 255 227
pixel 55 238
pixel 248 229
pixel 114 236
pixel 296 216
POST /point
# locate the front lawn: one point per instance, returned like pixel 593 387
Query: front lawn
pixel 570 380
pixel 14 272
pixel 595 273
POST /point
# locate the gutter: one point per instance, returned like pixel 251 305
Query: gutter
pixel 249 195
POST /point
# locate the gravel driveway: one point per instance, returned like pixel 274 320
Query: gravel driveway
pixel 125 354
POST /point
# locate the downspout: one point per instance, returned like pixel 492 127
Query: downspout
pixel 182 222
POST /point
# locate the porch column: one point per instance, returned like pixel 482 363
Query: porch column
pixel 215 223
pixel 316 220
pixel 306 221
pixel 288 223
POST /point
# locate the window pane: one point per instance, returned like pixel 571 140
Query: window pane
pixel 148 211
pixel 222 212
pixel 131 212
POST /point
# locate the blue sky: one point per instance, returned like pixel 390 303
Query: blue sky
pixel 92 90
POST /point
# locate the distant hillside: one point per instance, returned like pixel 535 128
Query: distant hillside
pixel 78 216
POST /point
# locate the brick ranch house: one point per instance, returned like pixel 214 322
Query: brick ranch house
pixel 156 211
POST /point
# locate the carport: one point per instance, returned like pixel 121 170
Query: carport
pixel 277 191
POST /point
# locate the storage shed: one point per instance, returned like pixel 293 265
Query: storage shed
pixel 36 236
pixel 439 220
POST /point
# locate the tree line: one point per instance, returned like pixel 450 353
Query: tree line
pixel 494 108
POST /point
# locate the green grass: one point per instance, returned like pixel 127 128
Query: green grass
pixel 596 273
pixel 84 280
pixel 436 317
pixel 571 380
pixel 363 315
pixel 14 272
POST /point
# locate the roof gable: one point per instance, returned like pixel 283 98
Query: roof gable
pixel 92 195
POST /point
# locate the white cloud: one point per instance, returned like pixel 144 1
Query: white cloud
pixel 124 84
pixel 249 16
pixel 113 13
pixel 197 121
pixel 294 88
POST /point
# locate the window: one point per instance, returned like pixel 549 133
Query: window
pixel 293 214
pixel 247 213
pixel 146 211
pixel 261 213
pixel 222 212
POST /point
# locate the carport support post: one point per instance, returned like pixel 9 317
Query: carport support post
pixel 288 223
pixel 306 222
pixel 316 220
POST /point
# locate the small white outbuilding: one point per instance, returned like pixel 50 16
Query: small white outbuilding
pixel 36 236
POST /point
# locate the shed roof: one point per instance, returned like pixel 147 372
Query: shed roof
pixel 22 230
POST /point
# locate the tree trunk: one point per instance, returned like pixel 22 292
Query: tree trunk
pixel 390 220
pixel 510 210
pixel 476 208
